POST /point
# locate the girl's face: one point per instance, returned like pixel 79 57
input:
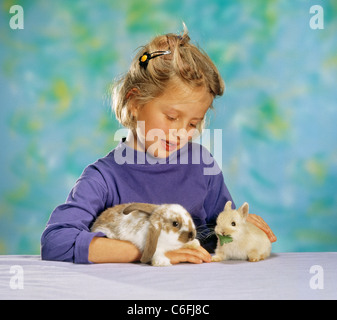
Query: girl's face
pixel 168 122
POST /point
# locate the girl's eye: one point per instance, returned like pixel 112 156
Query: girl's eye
pixel 233 224
pixel 171 118
pixel 193 125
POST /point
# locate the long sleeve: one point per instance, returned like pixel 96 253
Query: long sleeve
pixel 67 235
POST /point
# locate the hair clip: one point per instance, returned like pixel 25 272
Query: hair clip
pixel 146 57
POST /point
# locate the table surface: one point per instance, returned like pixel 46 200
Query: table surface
pixel 292 276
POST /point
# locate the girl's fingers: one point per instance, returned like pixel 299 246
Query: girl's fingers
pixel 199 255
pixel 260 223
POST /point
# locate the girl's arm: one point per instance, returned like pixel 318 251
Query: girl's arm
pixel 67 235
pixel 104 250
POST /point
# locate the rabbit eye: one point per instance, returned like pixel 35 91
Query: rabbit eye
pixel 175 223
pixel 233 224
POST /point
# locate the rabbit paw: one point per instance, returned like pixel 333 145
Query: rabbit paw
pixel 161 261
pixel 255 257
pixel 216 258
pixel 194 244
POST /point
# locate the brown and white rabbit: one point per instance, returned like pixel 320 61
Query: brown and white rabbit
pixel 248 241
pixel 154 229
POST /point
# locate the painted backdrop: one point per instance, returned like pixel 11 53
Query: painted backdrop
pixel 278 115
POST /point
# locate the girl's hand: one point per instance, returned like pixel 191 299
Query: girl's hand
pixel 198 255
pixel 260 223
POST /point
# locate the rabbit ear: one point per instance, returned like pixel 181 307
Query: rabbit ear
pixel 244 209
pixel 151 243
pixel 143 207
pixel 228 205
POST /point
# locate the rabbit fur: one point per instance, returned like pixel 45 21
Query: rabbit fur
pixel 249 242
pixel 154 229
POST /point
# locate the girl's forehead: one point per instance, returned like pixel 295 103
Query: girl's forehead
pixel 184 95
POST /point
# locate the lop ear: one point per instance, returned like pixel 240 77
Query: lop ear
pixel 151 243
pixel 137 206
pixel 244 210
pixel 228 205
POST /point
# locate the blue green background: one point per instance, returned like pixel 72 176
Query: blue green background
pixel 278 114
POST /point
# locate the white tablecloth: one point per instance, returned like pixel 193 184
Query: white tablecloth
pixel 282 276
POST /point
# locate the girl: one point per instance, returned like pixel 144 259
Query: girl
pixel 163 100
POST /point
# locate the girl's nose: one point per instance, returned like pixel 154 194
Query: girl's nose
pixel 182 134
pixel 181 130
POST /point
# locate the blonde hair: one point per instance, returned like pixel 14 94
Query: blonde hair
pixel 186 63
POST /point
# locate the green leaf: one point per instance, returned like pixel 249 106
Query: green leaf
pixel 224 239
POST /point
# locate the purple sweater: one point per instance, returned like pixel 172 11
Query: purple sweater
pixel 189 177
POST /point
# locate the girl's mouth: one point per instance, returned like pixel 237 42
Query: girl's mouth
pixel 168 146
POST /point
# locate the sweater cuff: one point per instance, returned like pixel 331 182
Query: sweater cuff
pixel 82 246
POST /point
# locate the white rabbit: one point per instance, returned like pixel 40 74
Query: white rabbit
pixel 244 240
pixel 154 229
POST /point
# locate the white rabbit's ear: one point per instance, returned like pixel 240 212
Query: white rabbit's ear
pixel 151 243
pixel 244 210
pixel 228 205
pixel 143 207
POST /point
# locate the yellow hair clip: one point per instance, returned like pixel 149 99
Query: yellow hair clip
pixel 146 57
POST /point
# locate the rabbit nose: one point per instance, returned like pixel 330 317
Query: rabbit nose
pixel 191 235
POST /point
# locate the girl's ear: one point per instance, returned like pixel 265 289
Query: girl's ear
pixel 151 243
pixel 132 93
pixel 131 98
